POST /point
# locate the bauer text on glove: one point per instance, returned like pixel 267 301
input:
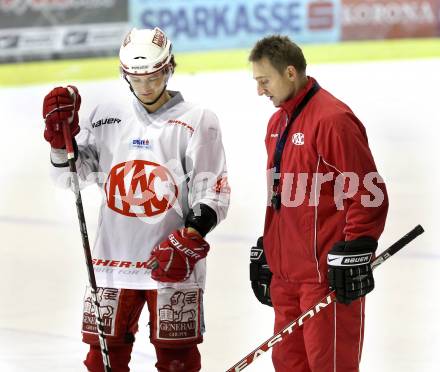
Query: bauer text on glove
pixel 173 260
pixel 349 268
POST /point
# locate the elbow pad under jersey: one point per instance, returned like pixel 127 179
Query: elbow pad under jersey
pixel 202 218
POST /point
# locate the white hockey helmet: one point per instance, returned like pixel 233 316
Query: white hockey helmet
pixel 145 51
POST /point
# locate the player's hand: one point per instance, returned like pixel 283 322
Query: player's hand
pixel 349 270
pixel 59 106
pixel 173 260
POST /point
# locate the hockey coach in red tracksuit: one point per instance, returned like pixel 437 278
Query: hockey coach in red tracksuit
pixel 327 207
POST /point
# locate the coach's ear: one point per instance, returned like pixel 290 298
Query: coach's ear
pixel 290 73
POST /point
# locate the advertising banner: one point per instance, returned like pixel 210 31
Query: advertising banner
pixel 388 19
pixel 222 24
pixel 34 29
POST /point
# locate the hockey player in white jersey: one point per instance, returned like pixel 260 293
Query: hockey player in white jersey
pixel 161 165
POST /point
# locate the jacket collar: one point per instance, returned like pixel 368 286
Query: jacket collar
pixel 290 104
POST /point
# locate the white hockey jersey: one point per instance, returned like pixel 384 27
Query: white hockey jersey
pixel 152 167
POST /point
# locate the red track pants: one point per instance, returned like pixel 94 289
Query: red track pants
pixel 329 342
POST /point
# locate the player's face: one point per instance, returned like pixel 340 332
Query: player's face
pixel 277 87
pixel 148 87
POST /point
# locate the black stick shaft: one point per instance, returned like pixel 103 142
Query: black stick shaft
pixel 397 246
pixel 86 246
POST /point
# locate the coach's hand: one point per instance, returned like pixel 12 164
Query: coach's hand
pixel 260 274
pixel 349 270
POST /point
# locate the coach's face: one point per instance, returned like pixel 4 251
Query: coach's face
pixel 273 84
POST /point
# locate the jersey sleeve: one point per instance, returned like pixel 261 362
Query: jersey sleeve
pixel 343 147
pixel 205 163
pixel 86 158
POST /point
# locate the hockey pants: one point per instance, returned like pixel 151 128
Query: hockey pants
pixel 176 355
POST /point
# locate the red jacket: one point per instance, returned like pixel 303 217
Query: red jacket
pixel 327 139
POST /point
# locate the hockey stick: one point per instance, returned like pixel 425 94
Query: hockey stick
pixel 85 240
pixel 323 303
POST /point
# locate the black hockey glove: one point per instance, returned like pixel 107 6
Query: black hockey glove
pixel 349 270
pixel 260 274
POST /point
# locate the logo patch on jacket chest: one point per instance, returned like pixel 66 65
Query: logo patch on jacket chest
pixel 298 139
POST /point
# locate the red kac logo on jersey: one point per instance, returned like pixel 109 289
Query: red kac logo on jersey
pixel 140 188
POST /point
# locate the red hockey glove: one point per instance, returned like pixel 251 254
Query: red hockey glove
pixel 60 106
pixel 174 259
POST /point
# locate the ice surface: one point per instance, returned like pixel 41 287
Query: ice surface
pixel 43 273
